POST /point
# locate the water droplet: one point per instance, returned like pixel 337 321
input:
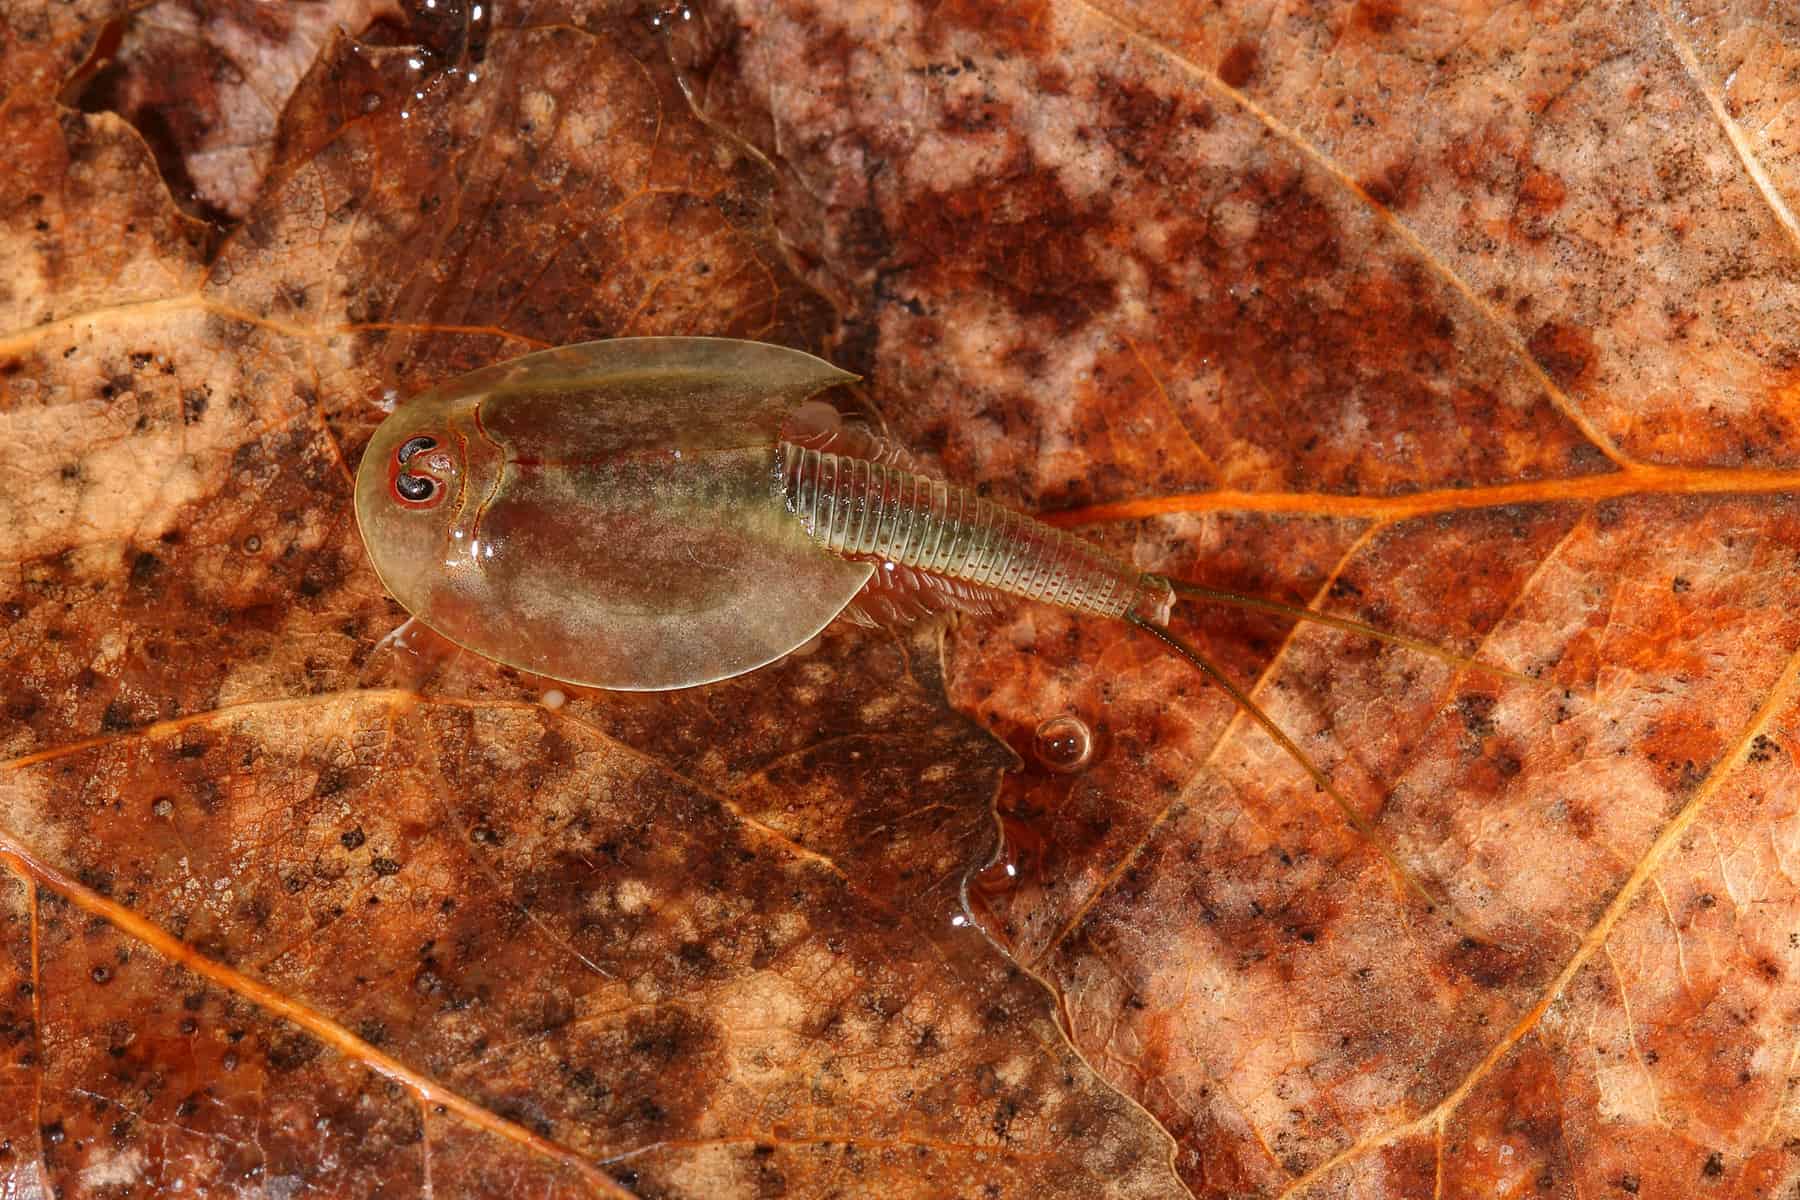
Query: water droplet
pixel 665 16
pixel 1064 743
pixel 553 699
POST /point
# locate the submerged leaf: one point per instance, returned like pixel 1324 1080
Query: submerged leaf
pixel 282 910
pixel 1473 325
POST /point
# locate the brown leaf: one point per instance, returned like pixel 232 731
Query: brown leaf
pixel 206 84
pixel 278 918
pixel 1472 323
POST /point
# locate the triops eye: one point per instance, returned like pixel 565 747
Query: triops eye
pixel 413 446
pixel 414 487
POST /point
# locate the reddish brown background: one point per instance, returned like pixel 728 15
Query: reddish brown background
pixel 1474 322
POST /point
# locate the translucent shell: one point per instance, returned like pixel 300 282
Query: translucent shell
pixel 607 514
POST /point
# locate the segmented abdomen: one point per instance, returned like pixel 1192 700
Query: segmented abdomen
pixel 870 509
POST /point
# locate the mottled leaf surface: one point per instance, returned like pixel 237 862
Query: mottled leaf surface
pixel 290 909
pixel 1474 322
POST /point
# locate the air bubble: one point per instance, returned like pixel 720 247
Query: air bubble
pixel 1064 744
pixel 663 17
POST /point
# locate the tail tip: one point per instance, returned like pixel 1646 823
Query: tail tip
pixel 1154 601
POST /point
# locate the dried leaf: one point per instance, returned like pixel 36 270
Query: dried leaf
pixel 278 918
pixel 207 83
pixel 1474 323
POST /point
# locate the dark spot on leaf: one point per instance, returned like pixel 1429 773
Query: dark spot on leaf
pixel 291 1050
pixel 116 717
pixel 1004 1112
pixel 1238 66
pixel 145 567
pixel 1395 186
pixel 1564 351
pixel 1476 711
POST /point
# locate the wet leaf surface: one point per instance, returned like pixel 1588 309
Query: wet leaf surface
pixel 206 84
pixel 291 909
pixel 1473 325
